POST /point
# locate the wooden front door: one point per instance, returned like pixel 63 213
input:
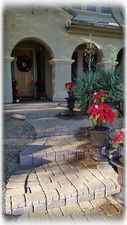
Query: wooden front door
pixel 24 75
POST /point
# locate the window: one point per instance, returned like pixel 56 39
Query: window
pixel 74 67
pixel 105 10
pixel 91 8
pixel 75 6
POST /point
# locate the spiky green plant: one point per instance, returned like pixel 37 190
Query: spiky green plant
pixel 100 80
pixel 86 85
pixel 112 83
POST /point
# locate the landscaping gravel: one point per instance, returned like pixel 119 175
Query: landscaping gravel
pixel 16 135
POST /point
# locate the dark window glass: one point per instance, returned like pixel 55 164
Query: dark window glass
pixel 105 10
pixel 74 67
pixel 93 63
pixel 76 6
pixel 91 8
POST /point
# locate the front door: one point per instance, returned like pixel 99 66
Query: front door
pixel 24 71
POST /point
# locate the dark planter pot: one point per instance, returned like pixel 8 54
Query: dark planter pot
pixel 121 179
pixel 71 104
pixel 99 137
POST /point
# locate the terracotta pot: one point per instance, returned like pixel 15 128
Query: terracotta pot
pixel 99 138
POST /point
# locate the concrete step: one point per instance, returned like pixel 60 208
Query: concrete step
pixel 58 184
pixel 38 110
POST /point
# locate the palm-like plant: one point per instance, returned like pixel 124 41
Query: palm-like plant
pixel 107 81
pixel 86 85
pixel 112 83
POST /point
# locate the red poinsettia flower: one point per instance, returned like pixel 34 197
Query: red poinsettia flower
pixel 101 112
pixel 17 95
pixel 42 94
pixel 110 115
pixel 69 86
pixel 120 137
pixel 99 94
pixel 101 116
pixel 90 109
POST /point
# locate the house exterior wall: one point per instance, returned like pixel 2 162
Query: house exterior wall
pixel 47 26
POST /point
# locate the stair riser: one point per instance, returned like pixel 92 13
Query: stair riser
pixel 45 114
pixel 35 207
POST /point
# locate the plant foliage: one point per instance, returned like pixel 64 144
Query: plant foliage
pixel 100 80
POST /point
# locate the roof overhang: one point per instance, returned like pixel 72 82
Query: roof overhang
pixel 96 29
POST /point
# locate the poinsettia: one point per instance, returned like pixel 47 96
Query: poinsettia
pixel 69 86
pixel 119 138
pixel 99 95
pixel 100 112
pixel 17 94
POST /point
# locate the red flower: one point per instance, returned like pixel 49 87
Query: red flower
pixel 120 137
pixel 90 109
pixel 42 94
pixel 17 95
pixel 99 94
pixel 101 112
pixel 69 86
pixel 110 116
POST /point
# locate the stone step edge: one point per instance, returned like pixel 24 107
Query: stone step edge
pixel 45 113
pixel 36 159
pixel 62 132
pixel 25 204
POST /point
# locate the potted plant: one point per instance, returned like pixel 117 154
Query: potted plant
pixel 16 94
pixel 116 155
pixel 101 114
pixel 41 89
pixel 112 83
pixel 70 87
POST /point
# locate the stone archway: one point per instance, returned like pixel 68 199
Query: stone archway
pixel 37 82
pixel 86 57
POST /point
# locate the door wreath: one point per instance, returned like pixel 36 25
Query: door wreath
pixel 24 63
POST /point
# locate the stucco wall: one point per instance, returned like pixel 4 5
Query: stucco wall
pixel 48 27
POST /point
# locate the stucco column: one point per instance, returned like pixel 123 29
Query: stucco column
pixel 7 80
pixel 61 71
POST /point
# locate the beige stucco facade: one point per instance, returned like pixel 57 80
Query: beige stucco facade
pixel 46 26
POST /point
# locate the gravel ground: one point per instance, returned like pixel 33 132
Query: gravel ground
pixel 16 135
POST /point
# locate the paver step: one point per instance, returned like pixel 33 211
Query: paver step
pixel 59 183
pixel 98 209
pixel 54 149
pixel 55 126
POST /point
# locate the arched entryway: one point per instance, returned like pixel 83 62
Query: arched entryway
pixel 31 69
pixel 119 68
pixel 86 57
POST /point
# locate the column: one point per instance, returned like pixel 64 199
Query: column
pixel 61 71
pixel 7 80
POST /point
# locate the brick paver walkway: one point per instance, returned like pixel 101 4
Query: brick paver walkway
pixel 58 177
pixel 60 181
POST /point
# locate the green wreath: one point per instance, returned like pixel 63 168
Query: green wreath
pixel 24 63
